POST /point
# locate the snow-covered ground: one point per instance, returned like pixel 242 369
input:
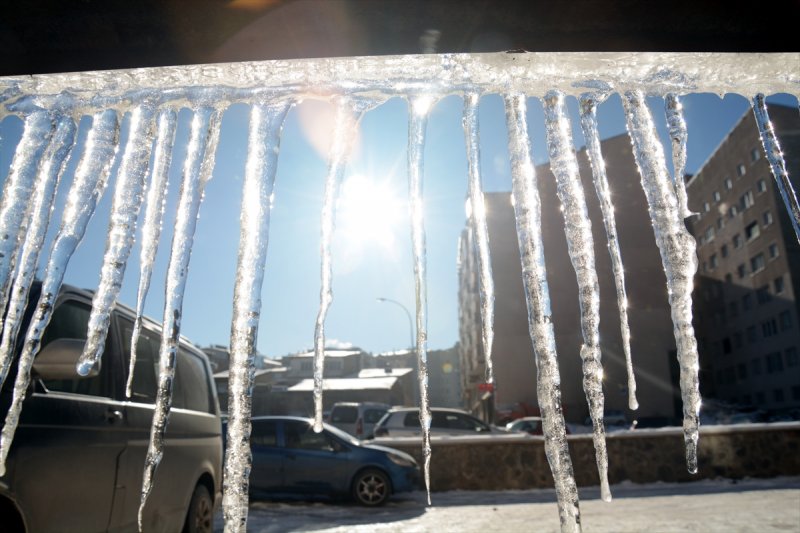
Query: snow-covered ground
pixel 753 505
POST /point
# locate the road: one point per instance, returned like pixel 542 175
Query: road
pixel 771 505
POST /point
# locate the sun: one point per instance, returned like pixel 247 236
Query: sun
pixel 369 212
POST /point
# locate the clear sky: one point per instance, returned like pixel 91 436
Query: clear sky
pixel 372 246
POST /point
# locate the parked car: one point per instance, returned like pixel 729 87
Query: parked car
pixel 357 418
pixel 290 458
pixel 404 422
pixel 530 424
pixel 77 459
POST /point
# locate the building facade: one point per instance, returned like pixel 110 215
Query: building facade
pixel 746 305
pixel 653 344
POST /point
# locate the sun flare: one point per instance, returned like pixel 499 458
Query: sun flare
pixel 369 212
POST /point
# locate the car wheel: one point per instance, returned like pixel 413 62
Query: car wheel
pixel 371 488
pixel 200 517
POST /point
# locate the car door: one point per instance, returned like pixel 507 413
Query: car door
pixel 69 439
pixel 266 474
pixel 315 463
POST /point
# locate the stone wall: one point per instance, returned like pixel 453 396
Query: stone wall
pixel 641 456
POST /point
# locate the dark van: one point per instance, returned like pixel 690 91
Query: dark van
pixel 77 458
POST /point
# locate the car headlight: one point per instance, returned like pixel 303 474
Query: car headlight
pixel 401 461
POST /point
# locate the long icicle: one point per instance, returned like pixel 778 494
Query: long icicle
pixel 151 226
pixel 88 185
pixel 527 212
pixel 776 162
pixel 678 134
pixel 266 123
pixel 348 113
pixel 196 171
pixel 678 256
pixel 41 207
pixel 478 219
pixel 588 105
pixel 580 243
pixel 17 191
pixel 419 107
pixel 125 207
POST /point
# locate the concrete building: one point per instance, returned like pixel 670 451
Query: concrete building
pixel 653 344
pixel 746 298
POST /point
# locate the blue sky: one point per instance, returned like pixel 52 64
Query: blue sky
pixel 372 247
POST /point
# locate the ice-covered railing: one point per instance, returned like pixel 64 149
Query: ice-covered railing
pixel 50 106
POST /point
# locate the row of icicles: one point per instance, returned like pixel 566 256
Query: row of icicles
pixel 49 137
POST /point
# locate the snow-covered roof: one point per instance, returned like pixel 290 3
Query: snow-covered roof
pixel 328 353
pixel 346 384
pixel 383 372
pixel 259 372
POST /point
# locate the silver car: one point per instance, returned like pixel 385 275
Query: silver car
pixel 404 422
pixel 357 418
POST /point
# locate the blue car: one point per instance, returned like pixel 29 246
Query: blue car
pixel 289 458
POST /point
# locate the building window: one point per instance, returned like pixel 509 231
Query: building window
pixel 761 186
pixel 751 231
pixel 767 218
pixel 724 250
pixel 755 366
pixel 762 294
pixel 733 211
pixel 755 155
pixel 746 200
pixel 747 302
pixel 752 336
pixel 795 392
pixel 777 285
pixel 726 346
pixel 791 357
pixel 774 362
pixel 306 366
pixel 706 207
pixel 785 319
pixel 757 263
pixel 773 250
pixel 716 196
pixel 741 270
pixel 713 261
pixel 737 241
pixel 769 328
pixel 728 184
pixel 720 222
pixel 740 170
pixel 709 235
pixel 728 278
pixel 778 395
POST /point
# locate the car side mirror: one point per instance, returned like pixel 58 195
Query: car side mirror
pixel 58 359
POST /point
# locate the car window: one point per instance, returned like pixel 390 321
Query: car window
pixel 145 383
pixel 411 420
pixel 264 433
pixel 70 321
pixel 344 414
pixel 300 435
pixel 373 415
pixel 191 383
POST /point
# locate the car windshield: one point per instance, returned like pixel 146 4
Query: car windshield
pixel 342 435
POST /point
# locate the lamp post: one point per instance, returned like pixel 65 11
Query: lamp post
pixel 408 315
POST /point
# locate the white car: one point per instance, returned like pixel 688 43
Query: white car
pixel 404 422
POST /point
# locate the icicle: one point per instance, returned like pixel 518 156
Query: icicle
pixel 677 132
pixel 348 113
pixel 776 162
pixel 41 207
pixel 580 243
pixel 589 125
pixel 151 226
pixel 88 184
pixel 121 230
pixel 17 192
pixel 478 219
pixel 196 171
pixel 678 255
pixel 527 212
pixel 266 122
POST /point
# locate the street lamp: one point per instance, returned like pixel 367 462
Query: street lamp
pixel 408 314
